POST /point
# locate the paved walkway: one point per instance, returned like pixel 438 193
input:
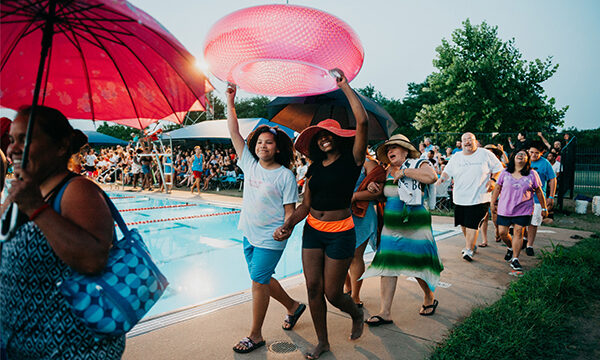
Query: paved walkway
pixel 467 285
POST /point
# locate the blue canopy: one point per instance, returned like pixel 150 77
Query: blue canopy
pixel 95 137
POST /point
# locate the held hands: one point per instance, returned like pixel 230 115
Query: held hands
pixel 282 233
pixel 545 213
pixel 25 192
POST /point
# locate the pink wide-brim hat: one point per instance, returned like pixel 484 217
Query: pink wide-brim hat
pixel 303 141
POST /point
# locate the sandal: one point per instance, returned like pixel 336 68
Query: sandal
pixel 432 306
pixel 378 320
pixel 249 345
pixel 291 320
pixel 483 245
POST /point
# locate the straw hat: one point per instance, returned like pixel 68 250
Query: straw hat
pixel 303 141
pixel 401 141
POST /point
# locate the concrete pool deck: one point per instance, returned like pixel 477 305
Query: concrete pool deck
pixel 464 286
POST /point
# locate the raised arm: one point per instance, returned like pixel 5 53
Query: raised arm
pixel 360 114
pixel 544 140
pixel 232 121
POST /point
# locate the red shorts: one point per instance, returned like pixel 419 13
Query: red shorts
pixel 197 174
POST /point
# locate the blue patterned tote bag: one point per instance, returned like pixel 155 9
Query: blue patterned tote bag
pixel 112 302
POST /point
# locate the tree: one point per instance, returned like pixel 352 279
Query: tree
pixel 119 131
pixel 484 85
pixel 254 107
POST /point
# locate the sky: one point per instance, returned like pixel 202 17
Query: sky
pixel 399 38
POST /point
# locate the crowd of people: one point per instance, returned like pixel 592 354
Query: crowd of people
pixel 352 196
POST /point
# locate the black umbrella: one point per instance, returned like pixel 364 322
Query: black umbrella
pixel 298 113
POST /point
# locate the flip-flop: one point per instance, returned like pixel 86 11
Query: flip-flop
pixel 249 345
pixel 360 304
pixel 380 321
pixel 432 306
pixel 291 320
pixel 483 245
pixel 311 356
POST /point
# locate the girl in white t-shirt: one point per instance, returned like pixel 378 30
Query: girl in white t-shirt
pixel 270 196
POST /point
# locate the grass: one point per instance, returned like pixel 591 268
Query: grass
pixel 533 319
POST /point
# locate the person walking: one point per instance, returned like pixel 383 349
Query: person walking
pixel 197 166
pixel 547 176
pixel 407 245
pixel 474 171
pixel 269 197
pixel 514 193
pixel 329 237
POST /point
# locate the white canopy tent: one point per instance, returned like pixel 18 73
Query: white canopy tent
pixel 217 129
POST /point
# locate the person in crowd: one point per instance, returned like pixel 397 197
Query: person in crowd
pixel 146 162
pixel 197 166
pixel 90 162
pixel 522 142
pixel 556 146
pixel 269 198
pixel 407 245
pixel 551 157
pixel 474 171
pixel 428 145
pixel 547 175
pixel 457 148
pixel 514 194
pixel 46 246
pixel 449 153
pixel 329 238
pixel 136 167
pixel 301 174
pixel 368 188
pixel 491 213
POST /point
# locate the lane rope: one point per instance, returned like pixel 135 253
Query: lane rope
pixel 158 207
pixel 182 218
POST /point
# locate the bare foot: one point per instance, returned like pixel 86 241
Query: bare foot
pixel 358 325
pixel 317 351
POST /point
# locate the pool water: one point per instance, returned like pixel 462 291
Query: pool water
pixel 198 247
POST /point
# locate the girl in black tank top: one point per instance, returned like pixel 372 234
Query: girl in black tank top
pixel 337 156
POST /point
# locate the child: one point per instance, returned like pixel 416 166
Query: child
pixel 270 197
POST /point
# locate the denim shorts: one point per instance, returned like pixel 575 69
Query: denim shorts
pixel 261 262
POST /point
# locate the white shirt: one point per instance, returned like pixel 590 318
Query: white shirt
pixel 265 194
pixel 556 167
pixel 301 172
pixel 471 174
pixel 90 160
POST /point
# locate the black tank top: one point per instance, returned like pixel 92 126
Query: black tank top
pixel 331 187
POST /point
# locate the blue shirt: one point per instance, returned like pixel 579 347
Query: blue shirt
pixel 546 173
pixel 197 164
pixel 456 150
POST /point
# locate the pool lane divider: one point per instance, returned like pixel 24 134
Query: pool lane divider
pixel 182 218
pixel 158 207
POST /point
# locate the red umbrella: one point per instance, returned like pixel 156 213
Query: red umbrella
pixel 107 60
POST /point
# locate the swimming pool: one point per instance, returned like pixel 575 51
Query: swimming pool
pixel 198 247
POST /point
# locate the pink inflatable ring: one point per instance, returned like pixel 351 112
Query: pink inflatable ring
pixel 282 50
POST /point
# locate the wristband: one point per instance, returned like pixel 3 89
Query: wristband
pixel 550 197
pixel 39 210
pixel 544 209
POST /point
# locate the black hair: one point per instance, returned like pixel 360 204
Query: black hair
pixel 56 126
pixel 511 163
pixel 285 156
pixel 538 145
pixel 316 155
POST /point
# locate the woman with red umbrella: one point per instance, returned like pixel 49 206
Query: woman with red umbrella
pixel 46 245
pixel 329 238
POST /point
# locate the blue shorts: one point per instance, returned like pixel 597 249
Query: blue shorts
pixel 261 262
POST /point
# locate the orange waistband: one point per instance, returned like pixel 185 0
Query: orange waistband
pixel 330 226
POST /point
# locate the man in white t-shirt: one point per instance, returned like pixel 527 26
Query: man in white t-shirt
pixel 474 171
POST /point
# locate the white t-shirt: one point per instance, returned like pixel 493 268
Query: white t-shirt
pixel 471 174
pixel 301 172
pixel 90 160
pixel 265 194
pixel 556 167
